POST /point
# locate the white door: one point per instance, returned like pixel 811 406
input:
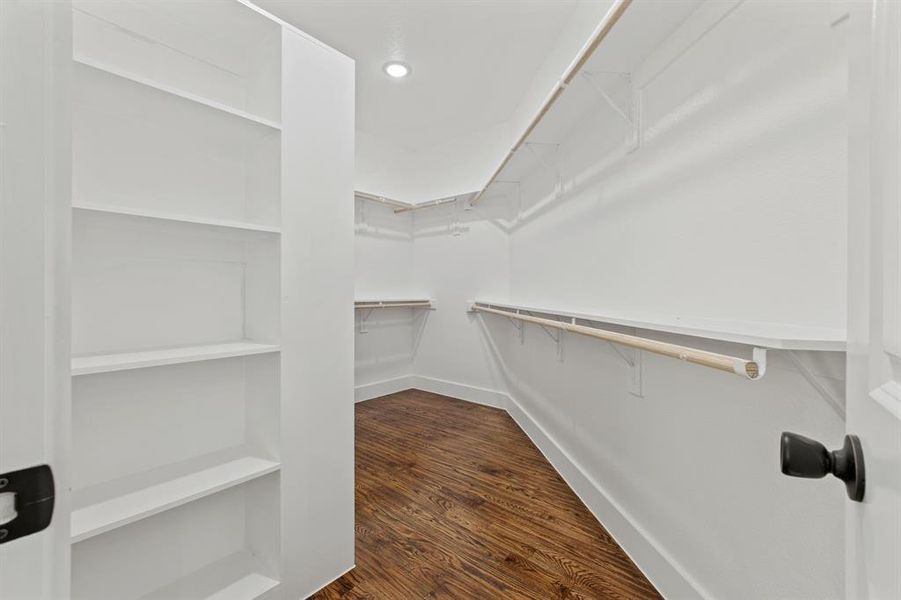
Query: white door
pixel 873 526
pixel 34 302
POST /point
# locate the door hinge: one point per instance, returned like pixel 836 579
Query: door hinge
pixel 29 495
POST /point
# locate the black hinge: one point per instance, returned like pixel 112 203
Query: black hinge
pixel 34 492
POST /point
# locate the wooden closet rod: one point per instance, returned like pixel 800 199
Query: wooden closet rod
pixel 425 303
pixel 427 204
pixel 750 369
pixel 381 199
pixel 610 19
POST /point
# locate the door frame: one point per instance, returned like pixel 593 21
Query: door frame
pixel 873 527
pixel 35 223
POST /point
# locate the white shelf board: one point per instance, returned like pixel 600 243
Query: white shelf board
pixel 167 216
pixel 109 506
pixel 778 336
pixel 121 361
pixel 235 577
pixel 176 93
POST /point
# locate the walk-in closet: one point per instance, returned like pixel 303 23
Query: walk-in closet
pixel 401 299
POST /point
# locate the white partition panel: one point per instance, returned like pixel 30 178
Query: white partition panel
pixel 317 295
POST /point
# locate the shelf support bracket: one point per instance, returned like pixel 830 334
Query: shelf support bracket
pixel 364 317
pixel 520 327
pixel 552 166
pixel 835 401
pixel 517 200
pixel 634 364
pixel 630 114
pixel 557 337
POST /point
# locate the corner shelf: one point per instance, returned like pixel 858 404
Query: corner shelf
pixel 117 504
pixel 174 217
pixel 235 577
pixel 122 361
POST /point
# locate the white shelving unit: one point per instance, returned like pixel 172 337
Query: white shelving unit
pixel 199 404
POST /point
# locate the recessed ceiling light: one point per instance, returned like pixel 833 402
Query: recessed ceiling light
pixel 397 69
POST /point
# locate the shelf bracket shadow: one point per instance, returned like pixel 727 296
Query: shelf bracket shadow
pixel 630 113
pixel 835 400
pixel 364 317
pixel 633 361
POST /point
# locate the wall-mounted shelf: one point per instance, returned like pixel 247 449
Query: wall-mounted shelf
pixel 552 322
pixel 400 206
pixel 411 303
pixel 367 306
pixel 775 336
pixel 236 577
pixel 117 77
pixel 121 361
pixel 177 218
pixel 117 504
pixel 606 79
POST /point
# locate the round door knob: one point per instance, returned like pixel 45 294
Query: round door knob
pixel 804 457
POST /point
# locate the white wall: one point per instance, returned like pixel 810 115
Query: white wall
pixel 733 208
pixel 456 269
pixel 383 254
pixel 399 258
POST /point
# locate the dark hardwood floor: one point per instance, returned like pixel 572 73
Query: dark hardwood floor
pixel 454 501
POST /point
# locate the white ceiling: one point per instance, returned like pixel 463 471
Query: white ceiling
pixel 472 60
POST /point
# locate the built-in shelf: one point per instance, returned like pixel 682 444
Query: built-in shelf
pixel 235 577
pixel 150 84
pixel 777 336
pixel 108 506
pixel 121 361
pixel 179 218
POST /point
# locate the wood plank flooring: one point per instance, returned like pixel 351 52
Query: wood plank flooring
pixel 454 501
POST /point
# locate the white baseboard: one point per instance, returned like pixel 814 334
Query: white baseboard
pixel 470 393
pixel 377 389
pixel 657 565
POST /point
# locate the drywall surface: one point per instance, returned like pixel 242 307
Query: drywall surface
pixel 458 268
pixel 383 254
pixel 733 208
pixel 444 254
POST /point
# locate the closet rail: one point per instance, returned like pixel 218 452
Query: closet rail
pixel 369 304
pixel 606 25
pixel 402 207
pixel 750 369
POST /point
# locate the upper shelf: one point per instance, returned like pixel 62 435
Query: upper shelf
pixel 120 83
pixel 777 336
pixel 601 78
pixel 175 217
pixel 121 361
